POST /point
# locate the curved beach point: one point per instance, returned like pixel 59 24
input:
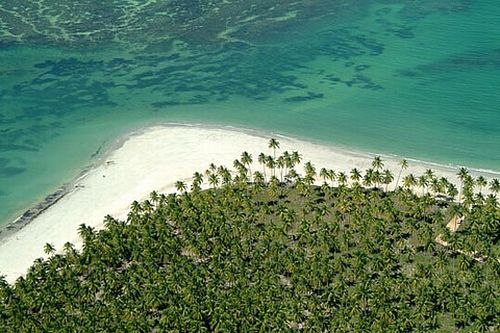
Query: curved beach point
pixel 154 159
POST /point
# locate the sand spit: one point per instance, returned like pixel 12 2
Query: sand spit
pixel 154 159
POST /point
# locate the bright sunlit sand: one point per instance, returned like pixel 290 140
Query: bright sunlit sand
pixel 154 159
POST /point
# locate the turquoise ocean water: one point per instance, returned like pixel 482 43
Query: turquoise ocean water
pixel 419 79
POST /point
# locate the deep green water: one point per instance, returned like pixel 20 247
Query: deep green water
pixel 419 79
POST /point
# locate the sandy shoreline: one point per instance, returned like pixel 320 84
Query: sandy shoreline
pixel 151 159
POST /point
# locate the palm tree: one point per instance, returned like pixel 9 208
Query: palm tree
pixel 429 173
pixel 287 159
pixel 211 169
pixel 154 197
pixel 180 186
pixel 368 178
pixel 263 161
pixel 242 171
pixel 376 178
pixel 377 163
pixel 436 186
pixel 274 144
pixel 342 178
pixel 309 169
pixel 323 173
pixel 254 257
pixel 225 175
pixel 271 164
pixel 423 182
pixel 292 175
pixel 87 233
pixel 481 182
pixel 387 178
pixel 404 165
pixel 247 160
pixel 462 175
pixel 479 199
pixel 69 249
pixel 443 184
pixel 491 200
pixel 49 249
pixel 197 181
pixel 258 177
pixel 295 158
pixel 332 175
pixel 213 180
pixel 281 163
pixel 355 175
pixel 468 188
pixel 409 181
pixel 495 186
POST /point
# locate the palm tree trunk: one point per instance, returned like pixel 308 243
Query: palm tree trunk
pixel 397 181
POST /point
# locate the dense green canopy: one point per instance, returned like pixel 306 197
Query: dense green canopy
pixel 277 256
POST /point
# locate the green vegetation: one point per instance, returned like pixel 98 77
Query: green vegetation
pixel 285 255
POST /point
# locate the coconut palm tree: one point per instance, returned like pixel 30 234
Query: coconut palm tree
pixel 263 161
pixel 296 158
pixel 355 175
pixel 238 165
pixel 271 164
pixel 258 178
pixel 443 184
pixel 256 257
pixel 342 178
pixel 404 165
pixel 495 186
pixel 287 159
pixel 213 180
pixel 292 176
pixel 180 186
pixel 376 178
pixel 225 175
pixel 281 163
pixel 323 173
pixel 309 169
pixel 462 175
pixel 211 169
pixel 409 181
pixel 387 178
pixel 423 182
pixel 274 144
pixel 468 189
pixel 429 173
pixel 435 186
pixel 368 178
pixel 377 163
pixel 197 181
pixel 332 175
pixel 49 249
pixel 246 159
pixel 481 182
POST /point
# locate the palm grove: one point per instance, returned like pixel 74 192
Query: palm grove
pixel 263 250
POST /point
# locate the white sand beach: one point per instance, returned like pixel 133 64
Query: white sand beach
pixel 154 159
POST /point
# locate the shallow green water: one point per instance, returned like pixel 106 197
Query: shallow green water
pixel 413 78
